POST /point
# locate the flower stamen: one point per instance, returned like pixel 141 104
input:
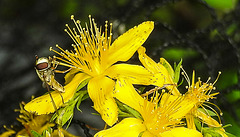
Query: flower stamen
pixel 89 46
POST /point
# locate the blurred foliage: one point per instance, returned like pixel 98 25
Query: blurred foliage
pixel 223 5
pixel 204 33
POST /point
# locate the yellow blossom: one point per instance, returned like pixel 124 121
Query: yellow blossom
pixel 7 133
pixel 201 92
pixel 36 123
pixel 160 117
pixel 94 56
pixel 30 121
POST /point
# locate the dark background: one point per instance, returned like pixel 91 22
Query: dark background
pixel 205 35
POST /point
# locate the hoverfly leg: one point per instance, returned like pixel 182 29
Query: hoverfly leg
pixel 54 63
pixel 48 90
pixel 56 86
pixel 62 71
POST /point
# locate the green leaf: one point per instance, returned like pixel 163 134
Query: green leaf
pixel 231 29
pixel 132 111
pixel 82 96
pixel 84 83
pixel 224 5
pixel 123 114
pixel 207 111
pixel 233 96
pixel 140 135
pixel 167 66
pixel 65 115
pixel 177 72
pixel 198 124
pixel 212 131
pixel 126 111
pixel 214 33
pixel 85 96
pixel 141 89
pixel 120 107
pixel 55 115
pixel 47 132
pixel 177 53
pixel 215 132
pixel 179 84
pixel 36 134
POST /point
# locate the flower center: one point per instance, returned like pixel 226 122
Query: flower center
pixel 158 115
pixel 90 47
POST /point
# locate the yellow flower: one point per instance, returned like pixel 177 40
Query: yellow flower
pixel 95 56
pixel 36 123
pixel 161 118
pixel 32 122
pixel 201 92
pixel 158 70
pixel 9 132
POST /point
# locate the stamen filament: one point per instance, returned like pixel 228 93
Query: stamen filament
pixel 89 46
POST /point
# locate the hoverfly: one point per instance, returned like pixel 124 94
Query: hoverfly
pixel 45 68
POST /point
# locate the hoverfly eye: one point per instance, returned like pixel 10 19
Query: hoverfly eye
pixel 42 66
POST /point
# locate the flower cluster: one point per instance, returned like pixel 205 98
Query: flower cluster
pixel 94 63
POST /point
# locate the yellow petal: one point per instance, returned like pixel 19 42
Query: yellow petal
pixel 44 105
pixel 207 119
pixel 69 76
pixel 148 63
pixel 127 44
pixel 100 90
pixel 167 66
pixel 158 70
pixel 8 133
pixel 129 127
pixel 147 134
pixel 190 121
pixel 181 132
pixel 134 73
pixel 125 92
